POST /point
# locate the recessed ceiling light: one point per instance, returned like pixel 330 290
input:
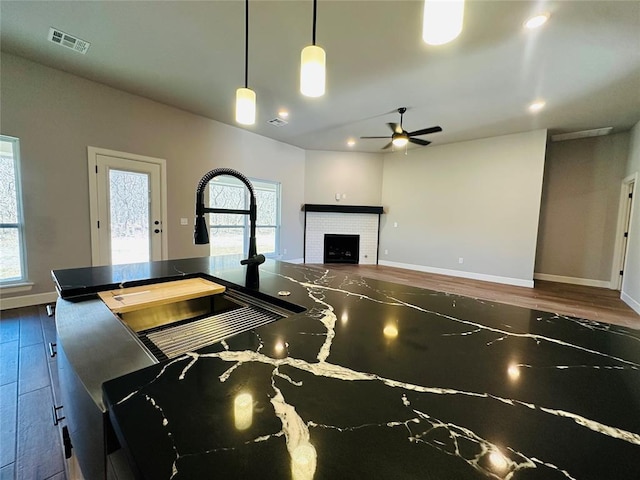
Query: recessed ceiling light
pixel 537 21
pixel 283 114
pixel 537 106
pixel 351 142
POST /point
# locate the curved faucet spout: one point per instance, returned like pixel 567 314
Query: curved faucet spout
pixel 201 234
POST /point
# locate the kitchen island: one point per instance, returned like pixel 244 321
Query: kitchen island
pixel 375 380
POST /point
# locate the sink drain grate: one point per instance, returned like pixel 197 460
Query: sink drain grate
pixel 175 341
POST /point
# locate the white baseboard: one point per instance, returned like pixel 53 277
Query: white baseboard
pixel 294 260
pixel 634 304
pixel 28 300
pixel 588 282
pixel 518 282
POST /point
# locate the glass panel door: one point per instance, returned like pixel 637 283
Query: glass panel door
pixel 129 216
pixel 129 211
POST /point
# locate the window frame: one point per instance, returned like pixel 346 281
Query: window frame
pixel 258 184
pixel 19 224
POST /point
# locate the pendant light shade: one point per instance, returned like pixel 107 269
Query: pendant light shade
pixel 312 71
pixel 442 21
pixel 245 106
pixel 245 97
pixel 312 65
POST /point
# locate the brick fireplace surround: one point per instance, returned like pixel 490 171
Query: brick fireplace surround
pixel 341 219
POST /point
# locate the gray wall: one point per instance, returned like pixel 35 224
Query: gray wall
pixel 356 175
pixel 479 200
pixel 57 115
pixel 631 279
pixel 580 206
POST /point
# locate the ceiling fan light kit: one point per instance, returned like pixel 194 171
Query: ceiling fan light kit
pixel 401 138
pixel 442 21
pixel 245 97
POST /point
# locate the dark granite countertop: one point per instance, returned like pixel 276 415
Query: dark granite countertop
pixel 379 380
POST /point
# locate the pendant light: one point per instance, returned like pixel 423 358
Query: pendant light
pixel 245 97
pixel 442 21
pixel 312 65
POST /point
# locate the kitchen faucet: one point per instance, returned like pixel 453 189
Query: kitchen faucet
pixel 201 234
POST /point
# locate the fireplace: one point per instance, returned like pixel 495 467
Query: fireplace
pixel 361 222
pixel 340 248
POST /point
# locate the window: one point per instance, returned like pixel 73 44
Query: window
pixel 229 233
pixel 12 264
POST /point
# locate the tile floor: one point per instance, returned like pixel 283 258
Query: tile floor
pixel 29 442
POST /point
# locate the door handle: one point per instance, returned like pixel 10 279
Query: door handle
pixel 54 412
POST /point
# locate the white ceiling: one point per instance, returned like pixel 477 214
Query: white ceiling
pixel 585 63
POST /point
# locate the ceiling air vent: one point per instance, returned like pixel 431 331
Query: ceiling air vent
pixel 68 41
pixel 278 122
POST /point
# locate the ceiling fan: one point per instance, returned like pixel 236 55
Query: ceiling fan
pixel 400 137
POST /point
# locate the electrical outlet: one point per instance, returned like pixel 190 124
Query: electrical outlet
pixel 284 251
pixel 460 260
pixel 386 252
pixel 184 221
pixel 395 224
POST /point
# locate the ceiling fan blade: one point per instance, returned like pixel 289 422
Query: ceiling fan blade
pixel 419 141
pixel 387 146
pixel 395 127
pixel 424 131
pixel 387 136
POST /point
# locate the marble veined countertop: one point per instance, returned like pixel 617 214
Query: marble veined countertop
pixel 382 381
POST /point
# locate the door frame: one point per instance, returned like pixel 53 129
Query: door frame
pixel 92 161
pixel 625 215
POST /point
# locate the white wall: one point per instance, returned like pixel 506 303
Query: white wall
pixel 580 196
pixel 479 200
pixel 631 280
pixel 57 115
pixel 356 175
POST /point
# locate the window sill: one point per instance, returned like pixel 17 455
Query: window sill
pixel 16 287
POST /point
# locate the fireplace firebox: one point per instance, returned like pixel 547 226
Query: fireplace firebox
pixel 340 248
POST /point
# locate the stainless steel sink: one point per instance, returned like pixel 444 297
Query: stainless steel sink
pixel 173 329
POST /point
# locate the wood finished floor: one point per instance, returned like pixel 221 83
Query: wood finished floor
pixel 29 442
pixel 592 303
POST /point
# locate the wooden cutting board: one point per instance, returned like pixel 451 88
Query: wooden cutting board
pixel 125 300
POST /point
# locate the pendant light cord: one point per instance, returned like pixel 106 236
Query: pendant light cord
pixel 315 13
pixel 246 43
